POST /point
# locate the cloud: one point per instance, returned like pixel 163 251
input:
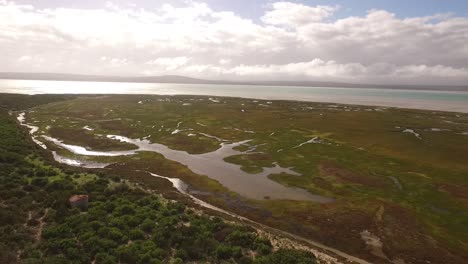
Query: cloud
pixel 224 61
pixel 289 41
pixel 333 71
pixel 169 63
pixel 292 14
pixel 24 58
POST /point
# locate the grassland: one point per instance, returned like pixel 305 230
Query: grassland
pixel 400 174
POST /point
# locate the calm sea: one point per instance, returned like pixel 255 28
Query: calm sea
pixel 418 99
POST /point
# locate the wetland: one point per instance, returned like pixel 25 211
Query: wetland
pixel 324 171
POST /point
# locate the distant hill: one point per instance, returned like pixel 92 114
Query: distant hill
pixel 102 78
pixel 189 80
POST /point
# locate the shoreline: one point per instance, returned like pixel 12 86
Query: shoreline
pixel 375 97
pixel 263 99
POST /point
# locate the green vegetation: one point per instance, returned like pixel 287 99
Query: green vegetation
pixel 123 223
pixel 251 163
pixel 400 174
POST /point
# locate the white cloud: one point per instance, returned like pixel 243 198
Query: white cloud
pixel 24 58
pixel 118 62
pixel 333 71
pixel 169 63
pixel 290 41
pixel 224 61
pixel 292 14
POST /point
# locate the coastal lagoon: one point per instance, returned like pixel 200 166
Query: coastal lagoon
pixel 454 101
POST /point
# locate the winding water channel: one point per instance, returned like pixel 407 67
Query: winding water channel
pixel 212 164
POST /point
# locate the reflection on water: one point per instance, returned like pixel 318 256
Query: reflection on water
pixel 211 164
pixel 419 99
pixel 32 130
pixel 78 163
pixel 83 151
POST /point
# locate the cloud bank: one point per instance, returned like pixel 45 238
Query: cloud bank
pixel 289 42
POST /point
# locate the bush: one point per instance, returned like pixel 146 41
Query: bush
pixel 103 258
pixel 136 234
pixel 240 238
pixel 263 249
pixel 147 225
pixel 40 182
pixel 223 252
pixel 287 256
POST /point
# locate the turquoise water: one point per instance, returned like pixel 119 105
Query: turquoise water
pixel 417 99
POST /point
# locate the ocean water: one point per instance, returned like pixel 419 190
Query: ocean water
pixel 416 99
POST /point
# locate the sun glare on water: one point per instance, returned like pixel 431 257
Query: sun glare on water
pixel 79 87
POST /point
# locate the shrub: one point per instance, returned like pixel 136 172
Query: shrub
pixel 223 251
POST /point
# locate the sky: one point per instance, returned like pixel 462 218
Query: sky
pixel 360 41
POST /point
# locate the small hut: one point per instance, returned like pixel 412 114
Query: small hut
pixel 80 201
